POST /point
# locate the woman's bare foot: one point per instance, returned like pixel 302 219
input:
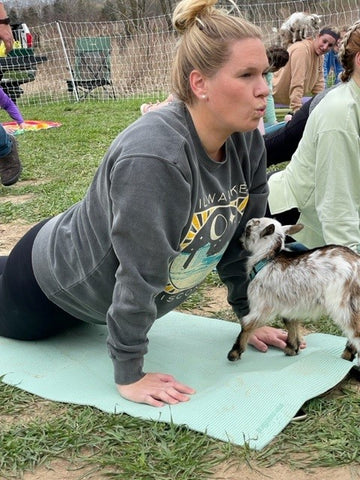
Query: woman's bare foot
pixel 148 107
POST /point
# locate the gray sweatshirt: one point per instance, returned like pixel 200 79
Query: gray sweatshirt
pixel 157 218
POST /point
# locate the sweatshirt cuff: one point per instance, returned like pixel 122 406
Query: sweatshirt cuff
pixel 128 371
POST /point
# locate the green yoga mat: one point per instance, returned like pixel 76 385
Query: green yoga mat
pixel 250 401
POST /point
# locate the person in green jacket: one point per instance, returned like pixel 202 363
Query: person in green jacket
pixel 320 186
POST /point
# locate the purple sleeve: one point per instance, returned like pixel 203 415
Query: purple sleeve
pixel 7 104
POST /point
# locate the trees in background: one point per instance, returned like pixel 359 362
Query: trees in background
pixel 39 11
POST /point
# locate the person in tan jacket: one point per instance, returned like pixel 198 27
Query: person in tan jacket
pixel 303 74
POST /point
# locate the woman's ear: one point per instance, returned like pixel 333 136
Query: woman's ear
pixel 198 84
pixel 357 59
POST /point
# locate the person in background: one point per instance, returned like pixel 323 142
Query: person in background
pixel 278 57
pixel 168 203
pixel 11 108
pixel 148 107
pixel 5 30
pixel 332 65
pixel 320 185
pixel 282 142
pixel 303 74
pixel 10 164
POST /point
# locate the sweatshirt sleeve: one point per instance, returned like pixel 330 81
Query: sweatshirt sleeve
pixel 150 207
pixel 270 114
pixel 232 267
pixel 10 107
pixel 337 194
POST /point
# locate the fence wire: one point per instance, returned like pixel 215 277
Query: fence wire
pixel 141 50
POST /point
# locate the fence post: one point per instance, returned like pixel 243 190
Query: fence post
pixel 67 61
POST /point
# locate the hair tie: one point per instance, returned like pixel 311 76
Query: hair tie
pixel 200 22
pixel 234 7
pixel 328 31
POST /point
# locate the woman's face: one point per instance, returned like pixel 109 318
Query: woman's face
pixel 236 94
pixel 323 43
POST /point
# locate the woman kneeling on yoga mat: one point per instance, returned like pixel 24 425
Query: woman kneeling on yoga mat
pixel 167 205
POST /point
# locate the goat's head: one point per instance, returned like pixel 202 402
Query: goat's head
pixel 315 21
pixel 266 235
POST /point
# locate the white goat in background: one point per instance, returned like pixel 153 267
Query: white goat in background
pixel 298 26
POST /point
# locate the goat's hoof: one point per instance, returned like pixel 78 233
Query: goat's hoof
pixel 234 355
pixel 290 351
pixel 349 352
pixel 347 355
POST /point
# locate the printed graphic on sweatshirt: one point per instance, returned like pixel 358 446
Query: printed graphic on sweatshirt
pixel 211 230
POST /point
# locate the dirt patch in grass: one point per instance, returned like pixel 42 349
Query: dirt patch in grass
pixel 282 472
pixel 63 470
pixel 40 409
pixel 17 199
pixel 215 301
pixel 10 233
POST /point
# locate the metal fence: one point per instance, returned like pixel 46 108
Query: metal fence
pixel 140 51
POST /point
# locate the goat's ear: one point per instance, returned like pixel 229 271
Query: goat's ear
pixel 292 229
pixel 269 230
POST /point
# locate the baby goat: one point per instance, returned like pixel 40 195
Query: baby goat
pixel 298 286
pixel 298 26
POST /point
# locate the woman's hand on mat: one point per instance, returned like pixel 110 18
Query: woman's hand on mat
pixel 156 389
pixel 265 336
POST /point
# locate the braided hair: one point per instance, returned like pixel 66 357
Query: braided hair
pixel 349 47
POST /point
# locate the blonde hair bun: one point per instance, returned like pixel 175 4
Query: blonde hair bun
pixel 188 12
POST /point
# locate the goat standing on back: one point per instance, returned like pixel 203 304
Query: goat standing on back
pixel 298 26
pixel 298 286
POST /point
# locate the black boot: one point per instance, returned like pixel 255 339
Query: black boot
pixel 10 166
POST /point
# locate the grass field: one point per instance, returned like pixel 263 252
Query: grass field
pixel 58 166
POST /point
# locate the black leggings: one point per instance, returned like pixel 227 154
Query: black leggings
pixel 25 312
pixel 282 143
pixel 288 217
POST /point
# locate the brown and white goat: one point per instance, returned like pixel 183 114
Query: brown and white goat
pixel 298 286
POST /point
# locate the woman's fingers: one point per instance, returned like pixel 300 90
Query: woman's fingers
pixel 156 389
pixel 265 336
